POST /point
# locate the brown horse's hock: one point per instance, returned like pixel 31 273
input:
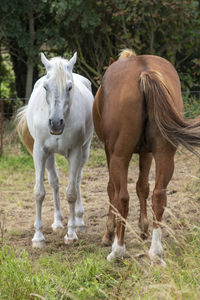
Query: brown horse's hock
pixel 139 109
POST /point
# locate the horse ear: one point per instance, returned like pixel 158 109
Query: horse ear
pixel 111 61
pixel 45 62
pixel 72 61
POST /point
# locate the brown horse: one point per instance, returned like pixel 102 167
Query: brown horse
pixel 139 109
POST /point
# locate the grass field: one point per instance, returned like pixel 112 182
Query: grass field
pixel 82 271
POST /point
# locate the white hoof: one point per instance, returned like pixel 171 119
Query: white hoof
pixel 38 244
pixel 110 256
pixel 70 238
pixel 38 241
pixel 155 251
pixel 117 251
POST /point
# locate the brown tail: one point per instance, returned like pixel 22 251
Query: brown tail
pixel 170 122
pixel 23 131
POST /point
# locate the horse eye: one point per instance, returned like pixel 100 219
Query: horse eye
pixel 69 87
pixel 45 87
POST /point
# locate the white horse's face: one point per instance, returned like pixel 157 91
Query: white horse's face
pixel 59 91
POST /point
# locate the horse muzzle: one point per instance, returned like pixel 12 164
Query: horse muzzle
pixel 56 126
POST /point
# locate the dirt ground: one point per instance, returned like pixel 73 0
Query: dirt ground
pixel 182 208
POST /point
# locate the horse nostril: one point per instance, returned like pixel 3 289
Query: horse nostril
pixel 61 122
pixel 50 122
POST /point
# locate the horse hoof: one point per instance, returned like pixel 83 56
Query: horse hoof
pixel 56 227
pixel 156 258
pixel 159 262
pixel 144 236
pixel 81 228
pixel 110 257
pixel 38 244
pixel 70 238
pixel 106 241
pixel 113 255
pixel 58 231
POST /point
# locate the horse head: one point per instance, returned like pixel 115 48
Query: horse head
pixel 58 85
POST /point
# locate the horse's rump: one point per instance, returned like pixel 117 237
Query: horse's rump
pixel 149 87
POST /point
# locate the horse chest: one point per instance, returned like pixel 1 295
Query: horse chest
pixel 63 143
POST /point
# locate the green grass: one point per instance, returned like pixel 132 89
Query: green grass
pixel 22 162
pixel 97 158
pixel 192 106
pixel 85 274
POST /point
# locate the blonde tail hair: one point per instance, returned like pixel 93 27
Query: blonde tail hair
pixel 126 53
pixel 169 121
pixel 22 129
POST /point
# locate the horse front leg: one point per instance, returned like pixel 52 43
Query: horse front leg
pixel 71 191
pixel 54 183
pixel 39 158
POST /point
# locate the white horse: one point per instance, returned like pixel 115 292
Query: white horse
pixel 58 119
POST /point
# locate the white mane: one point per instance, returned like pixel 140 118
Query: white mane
pixel 60 71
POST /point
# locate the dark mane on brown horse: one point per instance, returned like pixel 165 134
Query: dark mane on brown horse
pixel 139 109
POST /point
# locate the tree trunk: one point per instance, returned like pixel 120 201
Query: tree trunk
pixel 18 58
pixel 30 68
pixel 29 80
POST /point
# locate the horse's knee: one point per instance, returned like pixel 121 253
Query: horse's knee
pixel 124 197
pixel 39 193
pixel 71 194
pixel 142 189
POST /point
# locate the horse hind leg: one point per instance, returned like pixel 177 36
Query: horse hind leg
pixel 164 171
pixel 79 210
pixel 142 189
pixel 54 183
pixel 108 237
pixel 120 202
pixel 71 191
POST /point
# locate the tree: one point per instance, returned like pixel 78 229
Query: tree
pixel 25 27
pixel 97 30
